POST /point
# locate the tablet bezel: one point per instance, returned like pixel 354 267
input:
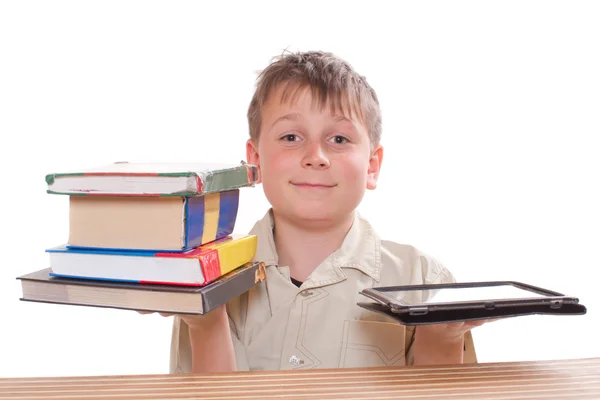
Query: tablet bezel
pixel 379 294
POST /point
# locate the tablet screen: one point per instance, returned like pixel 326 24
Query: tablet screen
pixel 463 294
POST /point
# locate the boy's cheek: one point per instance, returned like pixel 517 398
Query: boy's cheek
pixel 354 168
pixel 278 162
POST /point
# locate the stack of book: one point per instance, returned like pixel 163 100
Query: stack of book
pixel 150 237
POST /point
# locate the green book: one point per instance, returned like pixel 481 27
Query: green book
pixel 153 179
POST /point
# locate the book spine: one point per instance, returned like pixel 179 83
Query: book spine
pixel 223 180
pixel 199 185
pixel 220 258
pixel 210 264
pixel 231 286
pixel 194 221
pixel 235 253
pixel 228 210
pixel 212 208
pixel 210 217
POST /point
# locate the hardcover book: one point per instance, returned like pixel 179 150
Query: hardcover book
pixel 153 179
pixel 151 223
pixel 40 286
pixel 195 267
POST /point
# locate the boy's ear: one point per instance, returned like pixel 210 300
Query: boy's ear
pixel 374 167
pixel 253 158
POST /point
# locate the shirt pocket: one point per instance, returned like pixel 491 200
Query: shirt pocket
pixel 372 344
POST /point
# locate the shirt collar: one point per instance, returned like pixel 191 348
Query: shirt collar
pixel 360 250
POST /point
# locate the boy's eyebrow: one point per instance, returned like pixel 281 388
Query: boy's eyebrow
pixel 298 117
pixel 339 118
pixel 288 117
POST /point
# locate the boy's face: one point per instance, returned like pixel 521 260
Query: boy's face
pixel 315 165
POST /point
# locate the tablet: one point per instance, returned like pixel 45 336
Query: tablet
pixel 453 302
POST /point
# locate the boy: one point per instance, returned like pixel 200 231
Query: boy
pixel 315 128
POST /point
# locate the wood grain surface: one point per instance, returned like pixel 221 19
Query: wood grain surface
pixel 560 379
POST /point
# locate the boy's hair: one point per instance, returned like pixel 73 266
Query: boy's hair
pixel 331 80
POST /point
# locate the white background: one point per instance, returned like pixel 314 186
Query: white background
pixel 491 122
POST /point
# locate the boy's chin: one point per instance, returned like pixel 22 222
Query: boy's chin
pixel 316 214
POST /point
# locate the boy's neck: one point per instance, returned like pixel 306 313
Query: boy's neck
pixel 303 245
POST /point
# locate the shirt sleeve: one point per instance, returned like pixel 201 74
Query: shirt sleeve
pixel 181 352
pixel 240 350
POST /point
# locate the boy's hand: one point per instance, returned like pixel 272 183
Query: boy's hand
pixel 197 322
pixel 449 332
pixel 442 343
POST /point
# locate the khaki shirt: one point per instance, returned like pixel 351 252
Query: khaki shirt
pixel 278 326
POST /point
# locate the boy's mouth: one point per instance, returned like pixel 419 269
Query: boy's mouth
pixel 312 185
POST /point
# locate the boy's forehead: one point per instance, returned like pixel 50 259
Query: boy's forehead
pixel 292 100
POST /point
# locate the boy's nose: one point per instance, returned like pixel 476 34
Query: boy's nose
pixel 315 157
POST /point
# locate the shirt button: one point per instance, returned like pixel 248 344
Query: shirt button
pixel 295 361
pixel 305 293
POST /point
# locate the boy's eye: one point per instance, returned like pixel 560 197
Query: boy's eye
pixel 339 139
pixel 290 137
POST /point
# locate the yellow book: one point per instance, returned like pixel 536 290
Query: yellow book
pixel 231 252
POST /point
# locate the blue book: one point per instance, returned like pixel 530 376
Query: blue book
pixel 151 223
